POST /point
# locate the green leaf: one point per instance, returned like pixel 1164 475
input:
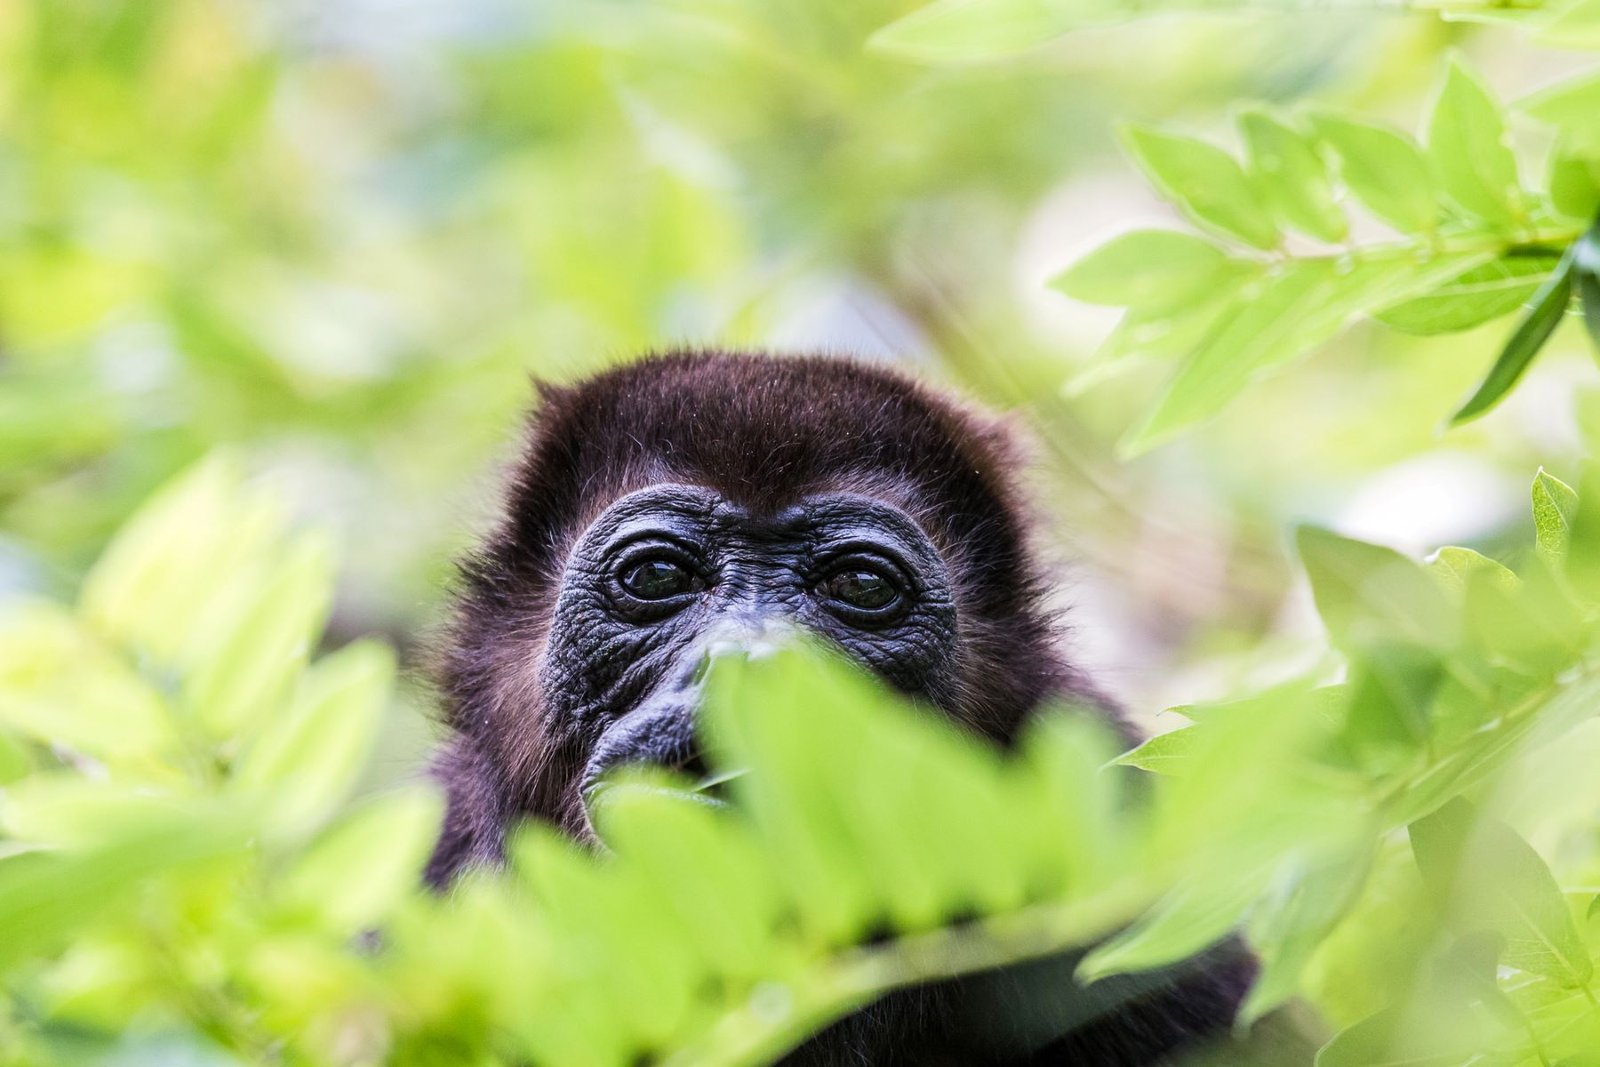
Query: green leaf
pixel 1182 924
pixel 1488 878
pixel 355 873
pixel 1204 181
pixel 1369 595
pixel 1574 183
pixel 1555 505
pixel 1391 692
pixel 1474 297
pixel 1167 753
pixel 1468 144
pixel 1287 168
pixel 966 30
pixel 1549 305
pixel 1152 270
pixel 309 759
pixel 1384 169
pixel 259 638
pixel 1305 903
pixel 1455 566
pixel 1575 24
pixel 1297 309
pixel 1570 106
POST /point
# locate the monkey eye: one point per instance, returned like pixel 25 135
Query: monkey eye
pixel 660 579
pixel 861 589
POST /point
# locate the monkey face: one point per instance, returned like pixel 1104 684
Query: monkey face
pixel 670 576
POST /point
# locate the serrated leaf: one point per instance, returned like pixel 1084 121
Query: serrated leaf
pixel 1491 879
pixel 1368 594
pixel 1152 270
pixel 1544 315
pixel 1467 143
pixel 1287 168
pixel 1555 505
pixel 1205 182
pixel 1384 169
pixel 1474 297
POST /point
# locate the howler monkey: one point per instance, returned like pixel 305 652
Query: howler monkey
pixel 695 499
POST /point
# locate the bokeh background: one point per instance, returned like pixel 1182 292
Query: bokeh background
pixel 338 237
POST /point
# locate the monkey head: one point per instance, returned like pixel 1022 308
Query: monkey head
pixel 687 504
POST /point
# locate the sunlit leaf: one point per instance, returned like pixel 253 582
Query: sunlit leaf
pixel 1385 169
pixel 1555 505
pixel 1152 270
pixel 1489 878
pixel 1294 178
pixel 1204 181
pixel 1369 594
pixel 1475 297
pixel 1467 144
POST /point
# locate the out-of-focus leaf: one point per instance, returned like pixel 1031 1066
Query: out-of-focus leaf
pixel 1574 183
pixel 1468 146
pixel 1428 1035
pixel 309 759
pixel 15 760
pixel 1385 169
pixel 1204 181
pixel 1570 106
pixel 1455 566
pixel 1303 305
pixel 1368 594
pixel 60 685
pixel 1488 878
pixel 44 896
pixel 1293 177
pixel 1483 293
pixel 705 868
pixel 1181 925
pixel 1544 315
pixel 1167 753
pixel 966 30
pixel 262 640
pixel 1573 24
pixel 154 585
pixel 1304 903
pixel 1152 270
pixel 1555 505
pixel 1391 693
pixel 361 867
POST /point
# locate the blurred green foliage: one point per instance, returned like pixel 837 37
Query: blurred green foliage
pixel 325 245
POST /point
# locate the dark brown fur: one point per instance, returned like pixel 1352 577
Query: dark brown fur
pixel 764 432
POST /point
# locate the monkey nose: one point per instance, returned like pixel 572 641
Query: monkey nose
pixel 760 640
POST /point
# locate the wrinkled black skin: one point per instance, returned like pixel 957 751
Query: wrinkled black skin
pixel 628 667
pixel 762 477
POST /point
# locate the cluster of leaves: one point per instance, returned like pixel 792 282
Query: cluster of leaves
pixel 1456 671
pixel 1473 244
pixel 180 872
